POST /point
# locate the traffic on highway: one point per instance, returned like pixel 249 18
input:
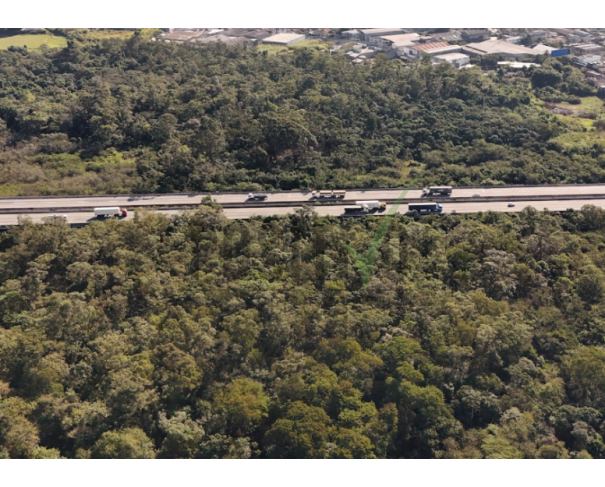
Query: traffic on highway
pixel 79 210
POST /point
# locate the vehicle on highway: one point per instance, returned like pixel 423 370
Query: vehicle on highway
pixel 437 190
pixel 510 205
pixel 329 193
pixel 476 195
pixel 425 207
pixel 365 207
pixel 112 211
pixel 257 196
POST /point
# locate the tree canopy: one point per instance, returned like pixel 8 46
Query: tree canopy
pixel 200 337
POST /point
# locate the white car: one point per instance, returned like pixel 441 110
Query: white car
pixel 60 217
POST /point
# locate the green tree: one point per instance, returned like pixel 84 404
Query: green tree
pixel 129 443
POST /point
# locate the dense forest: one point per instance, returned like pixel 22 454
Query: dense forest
pixel 202 337
pixel 109 116
pixel 196 336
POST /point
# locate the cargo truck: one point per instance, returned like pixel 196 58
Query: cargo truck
pixel 437 190
pixel 110 211
pixel 329 193
pixel 257 196
pixel 364 207
pixel 425 207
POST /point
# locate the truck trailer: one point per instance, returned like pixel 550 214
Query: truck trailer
pixel 365 207
pixel 437 190
pixel 329 193
pixel 425 207
pixel 257 196
pixel 372 205
pixel 110 211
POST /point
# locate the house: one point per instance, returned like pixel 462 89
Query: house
pixel 499 47
pixel 284 39
pixel 475 35
pixel 430 48
pixel 456 59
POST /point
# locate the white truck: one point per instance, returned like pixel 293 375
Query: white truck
pixel 329 193
pixel 366 207
pixel 110 211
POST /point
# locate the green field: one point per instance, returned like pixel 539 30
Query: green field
pixel 33 41
pixel 590 104
pixel 106 33
pixel 274 49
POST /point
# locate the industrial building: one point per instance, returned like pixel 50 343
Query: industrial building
pixel 180 36
pixel 499 48
pixel 586 49
pixel 284 39
pixel 430 48
pixel 399 40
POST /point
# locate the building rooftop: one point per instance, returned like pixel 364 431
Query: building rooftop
pixel 284 37
pixel 401 39
pixel 452 56
pixel 379 32
pixel 475 31
pixel 431 46
pixel 588 46
pixel 495 46
pixel 544 48
pixel 230 41
pixel 249 33
pixel 182 35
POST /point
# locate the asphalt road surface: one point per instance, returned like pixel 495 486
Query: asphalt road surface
pixel 83 217
pixel 127 201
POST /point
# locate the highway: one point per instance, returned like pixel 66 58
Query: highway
pixel 287 197
pixel 84 217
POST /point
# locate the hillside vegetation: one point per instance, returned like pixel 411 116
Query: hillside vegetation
pixel 201 337
pixel 109 115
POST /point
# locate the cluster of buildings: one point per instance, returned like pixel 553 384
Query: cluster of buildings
pixel 515 48
pixel 459 46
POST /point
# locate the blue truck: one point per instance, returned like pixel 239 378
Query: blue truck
pixel 425 207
